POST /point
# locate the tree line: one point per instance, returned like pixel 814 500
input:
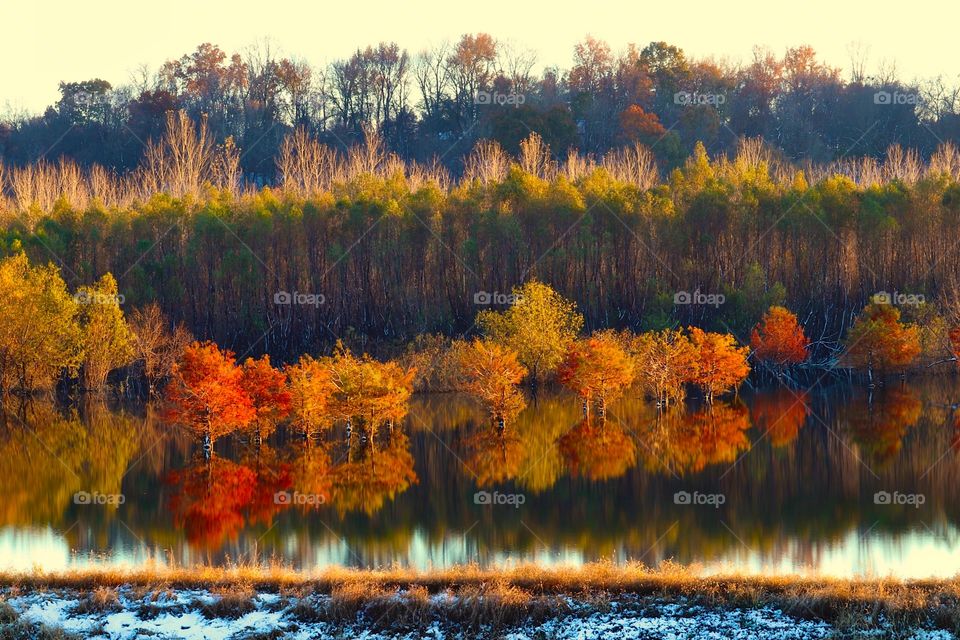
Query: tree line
pixel 374 251
pixel 438 102
pixel 48 336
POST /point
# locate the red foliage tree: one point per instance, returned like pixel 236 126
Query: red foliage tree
pixel 267 388
pixel 206 393
pixel 640 126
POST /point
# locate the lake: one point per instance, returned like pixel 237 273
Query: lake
pixel 832 480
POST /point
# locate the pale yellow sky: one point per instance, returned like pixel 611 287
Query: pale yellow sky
pixel 44 42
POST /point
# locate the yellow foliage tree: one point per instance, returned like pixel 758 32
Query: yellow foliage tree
pixel 539 326
pixel 665 361
pixel 40 337
pixel 372 392
pixel 108 343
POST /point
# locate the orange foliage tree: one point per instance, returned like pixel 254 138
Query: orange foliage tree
pixel 267 389
pixel 721 364
pixel 878 341
pixel 597 369
pixel 311 392
pixel 492 373
pixel 206 393
pixel 779 340
pixel 955 343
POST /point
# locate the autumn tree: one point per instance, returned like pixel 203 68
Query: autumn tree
pixel 492 372
pixel 539 327
pixel 955 343
pixel 779 340
pixel 267 389
pixel 598 370
pixel 665 362
pixel 40 336
pixel 639 126
pixel 158 344
pixel 879 341
pixel 206 393
pixel 376 394
pixel 311 391
pixel 108 343
pixel 721 364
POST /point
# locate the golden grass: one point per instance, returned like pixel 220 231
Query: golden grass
pixel 470 595
pixel 100 599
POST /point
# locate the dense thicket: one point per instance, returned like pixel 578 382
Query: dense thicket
pixel 381 251
pixel 437 103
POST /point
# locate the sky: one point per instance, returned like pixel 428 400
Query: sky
pixel 43 42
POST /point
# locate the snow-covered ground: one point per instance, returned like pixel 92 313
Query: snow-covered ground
pixel 181 615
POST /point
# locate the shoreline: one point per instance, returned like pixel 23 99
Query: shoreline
pixel 396 601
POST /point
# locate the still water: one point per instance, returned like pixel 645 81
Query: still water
pixel 830 480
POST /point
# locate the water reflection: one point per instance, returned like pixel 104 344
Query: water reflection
pixel 798 472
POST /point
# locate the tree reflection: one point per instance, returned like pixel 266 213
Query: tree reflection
pixel 46 456
pixel 679 442
pixel 311 470
pixel 878 422
pixel 780 414
pixel 271 476
pixel 209 499
pixel 372 474
pixel 494 456
pixel 598 450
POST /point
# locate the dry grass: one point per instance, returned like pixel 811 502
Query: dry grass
pixel 100 599
pixel 231 601
pixel 469 595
